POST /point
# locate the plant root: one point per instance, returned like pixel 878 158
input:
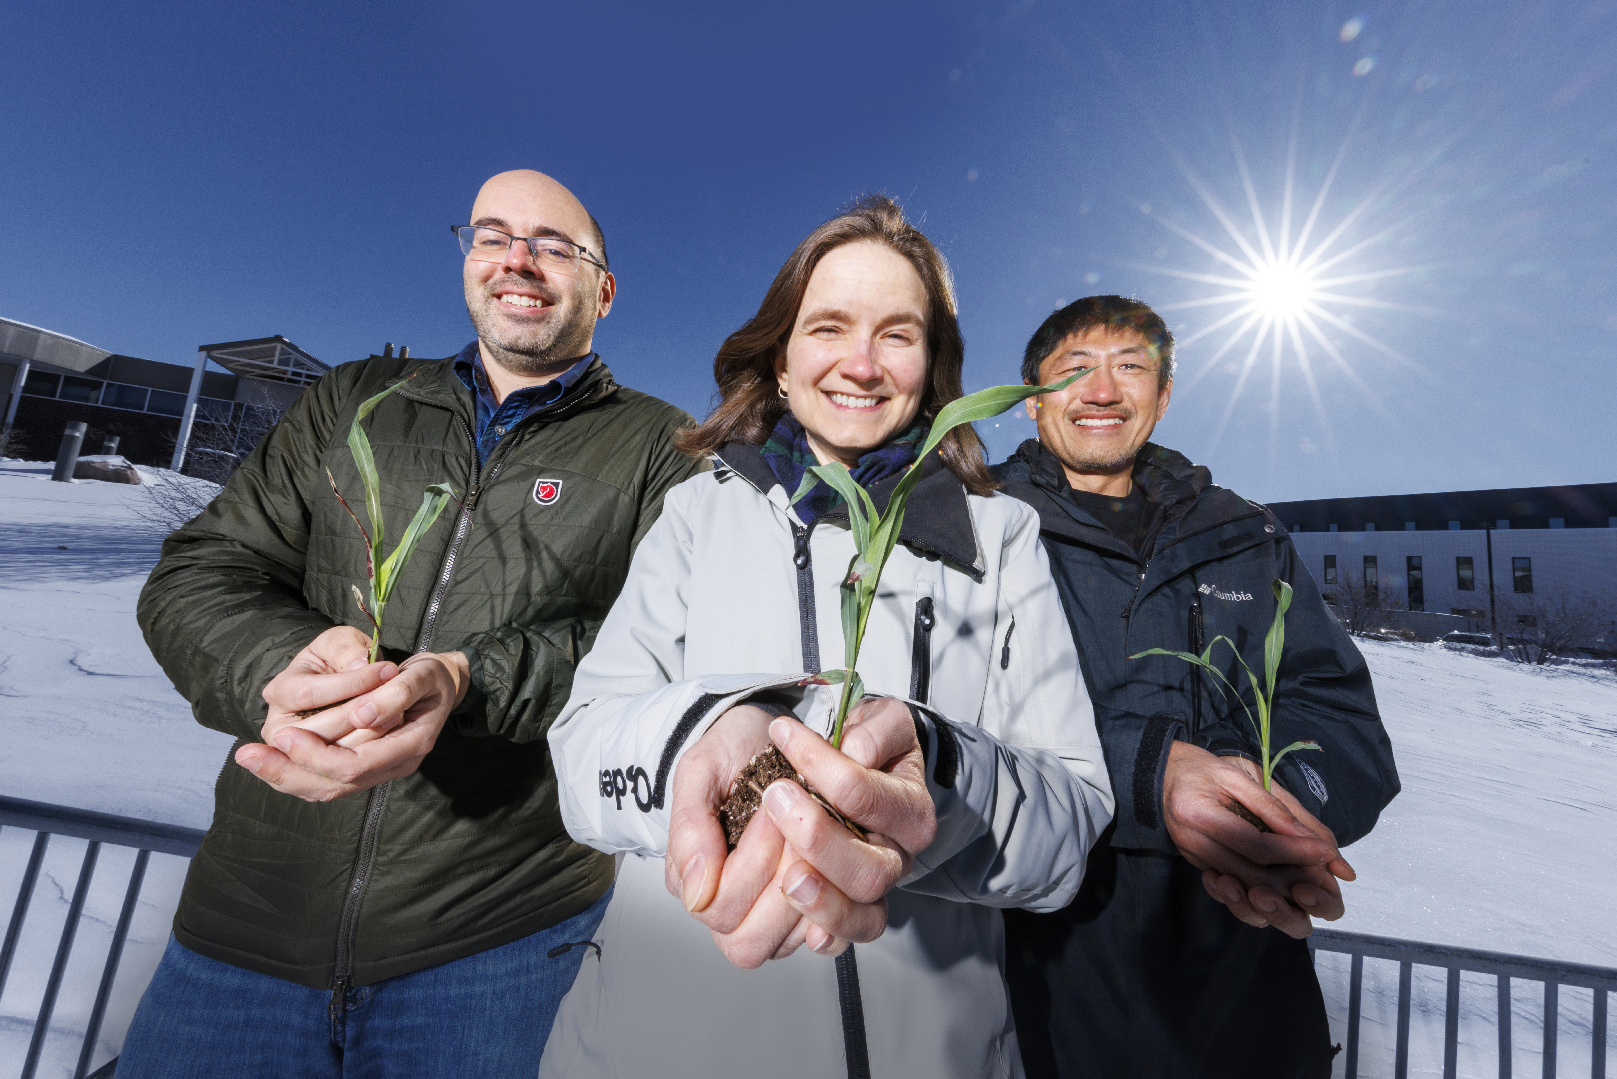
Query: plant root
pixel 747 798
pixel 307 712
pixel 1250 817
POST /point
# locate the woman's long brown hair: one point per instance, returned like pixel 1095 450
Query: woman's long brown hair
pixel 749 407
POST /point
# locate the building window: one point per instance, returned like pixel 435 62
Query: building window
pixel 1330 569
pixel 1521 574
pixel 1465 574
pixel 1502 524
pixel 1614 525
pixel 165 403
pixel 1409 526
pixel 212 410
pixel 1372 581
pixel 1417 586
pixel 41 384
pixel 1370 527
pixel 117 395
pixel 86 391
pixel 1454 526
pixel 1557 522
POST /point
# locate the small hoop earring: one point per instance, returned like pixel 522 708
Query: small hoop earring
pixel 780 391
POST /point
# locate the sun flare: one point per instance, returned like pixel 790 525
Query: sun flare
pixel 1290 282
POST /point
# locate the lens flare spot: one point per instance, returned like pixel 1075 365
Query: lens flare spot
pixel 1365 66
pixel 1351 29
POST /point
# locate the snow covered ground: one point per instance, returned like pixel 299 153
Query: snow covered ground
pixel 1504 838
pixel 90 721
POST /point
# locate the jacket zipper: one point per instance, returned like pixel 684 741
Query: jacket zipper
pixel 921 650
pixel 807 623
pixel 376 799
pixel 1196 646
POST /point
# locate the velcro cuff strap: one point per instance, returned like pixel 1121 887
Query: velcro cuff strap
pixel 1149 764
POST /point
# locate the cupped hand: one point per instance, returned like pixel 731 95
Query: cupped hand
pixel 1280 878
pixel 316 690
pixel 799 876
pixel 411 708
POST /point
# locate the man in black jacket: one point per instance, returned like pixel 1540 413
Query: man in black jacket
pixel 1168 963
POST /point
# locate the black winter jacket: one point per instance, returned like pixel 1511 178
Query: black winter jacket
pixel 1144 975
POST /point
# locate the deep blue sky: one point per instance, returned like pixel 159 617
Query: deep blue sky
pixel 179 174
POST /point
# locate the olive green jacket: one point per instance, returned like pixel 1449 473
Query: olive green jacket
pixel 469 852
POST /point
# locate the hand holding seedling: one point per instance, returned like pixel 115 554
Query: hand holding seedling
pixel 1253 873
pixel 798 876
pixel 411 708
pixel 313 689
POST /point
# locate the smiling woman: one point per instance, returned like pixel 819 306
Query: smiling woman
pixel 848 365
pixel 755 370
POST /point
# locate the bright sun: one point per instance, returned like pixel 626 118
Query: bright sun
pixel 1281 281
pixel 1281 289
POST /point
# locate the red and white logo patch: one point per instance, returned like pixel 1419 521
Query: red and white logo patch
pixel 545 492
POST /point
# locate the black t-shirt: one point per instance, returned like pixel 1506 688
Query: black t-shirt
pixel 1133 518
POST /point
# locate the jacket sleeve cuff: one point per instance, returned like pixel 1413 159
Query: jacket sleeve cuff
pixel 1137 769
pixel 1015 824
pixel 615 757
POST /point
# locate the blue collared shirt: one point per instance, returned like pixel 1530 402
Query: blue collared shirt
pixel 495 418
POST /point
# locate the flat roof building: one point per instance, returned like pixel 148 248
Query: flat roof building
pixel 54 379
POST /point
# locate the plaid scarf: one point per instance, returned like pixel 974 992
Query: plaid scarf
pixel 789 456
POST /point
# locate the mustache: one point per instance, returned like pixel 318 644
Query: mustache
pixel 549 295
pixel 1083 413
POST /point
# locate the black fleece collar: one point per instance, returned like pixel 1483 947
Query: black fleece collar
pixel 937 520
pixel 1185 491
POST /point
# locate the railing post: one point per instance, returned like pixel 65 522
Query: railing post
pixel 1504 1026
pixel 25 892
pixel 58 968
pixel 1552 1025
pixel 1451 1027
pixel 1597 1054
pixel 108 974
pixel 1355 1004
pixel 1400 1067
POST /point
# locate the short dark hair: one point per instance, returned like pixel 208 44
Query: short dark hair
pixel 600 240
pixel 1112 312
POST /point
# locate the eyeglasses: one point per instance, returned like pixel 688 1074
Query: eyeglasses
pixel 483 244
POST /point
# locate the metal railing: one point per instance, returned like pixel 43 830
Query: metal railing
pixel 146 837
pixel 1409 954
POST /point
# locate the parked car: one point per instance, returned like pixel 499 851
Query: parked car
pixel 1462 637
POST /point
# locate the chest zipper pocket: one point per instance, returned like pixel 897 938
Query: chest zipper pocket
pixel 921 651
pixel 1005 652
pixel 1196 645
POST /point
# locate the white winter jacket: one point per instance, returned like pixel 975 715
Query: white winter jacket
pixel 966 621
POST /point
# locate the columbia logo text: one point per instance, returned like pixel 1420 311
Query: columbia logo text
pixel 1212 590
pixel 619 782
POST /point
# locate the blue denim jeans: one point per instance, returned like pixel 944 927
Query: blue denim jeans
pixel 487 1015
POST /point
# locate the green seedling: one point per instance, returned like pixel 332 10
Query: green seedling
pixel 1264 692
pixel 384 572
pixel 875 534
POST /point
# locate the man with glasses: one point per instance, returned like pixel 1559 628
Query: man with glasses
pixel 1181 956
pixel 387 886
